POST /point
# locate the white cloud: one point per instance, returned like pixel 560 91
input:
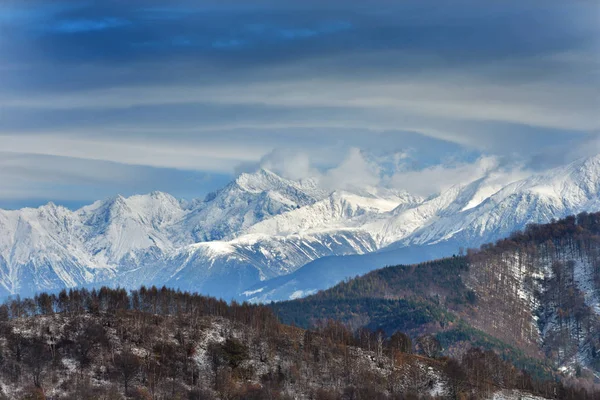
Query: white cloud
pixel 206 156
pixel 497 97
pixel 291 164
pixel 453 96
pixel 28 176
pixel 36 179
pixel 360 170
pixel 354 172
pixel 440 177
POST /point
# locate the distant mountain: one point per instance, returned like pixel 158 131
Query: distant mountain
pixel 262 226
pixel 206 245
pixel 439 226
pixel 249 199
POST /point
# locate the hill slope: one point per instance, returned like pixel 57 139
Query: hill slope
pixel 537 291
pixel 165 344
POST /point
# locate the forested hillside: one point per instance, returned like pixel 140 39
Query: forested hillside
pixel 543 286
pixel 160 343
pixel 533 297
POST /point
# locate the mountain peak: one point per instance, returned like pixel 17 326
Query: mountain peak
pixel 52 210
pixel 261 180
pixel 156 194
pixel 589 166
pixel 117 202
pixel 592 160
pixel 50 206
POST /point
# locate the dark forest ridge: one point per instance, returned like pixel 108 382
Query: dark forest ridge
pixel 164 344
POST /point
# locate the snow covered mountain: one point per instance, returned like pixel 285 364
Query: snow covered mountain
pixel 249 199
pixel 262 226
pixel 539 198
pixel 462 216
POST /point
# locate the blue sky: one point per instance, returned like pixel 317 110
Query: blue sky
pixel 106 97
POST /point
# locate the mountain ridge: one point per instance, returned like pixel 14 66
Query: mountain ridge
pixel 262 226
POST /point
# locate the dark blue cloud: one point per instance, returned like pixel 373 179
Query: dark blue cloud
pixel 88 25
pixel 228 43
pixel 23 13
pixel 241 40
pixel 458 32
pixel 74 182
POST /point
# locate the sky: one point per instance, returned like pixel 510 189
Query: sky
pixel 106 97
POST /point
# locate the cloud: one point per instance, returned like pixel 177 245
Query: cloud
pixel 556 155
pixel 360 170
pixel 88 25
pixel 290 164
pixel 227 43
pixel 334 89
pixel 370 103
pixel 354 172
pixel 324 28
pixel 34 179
pixel 213 157
pixel 441 177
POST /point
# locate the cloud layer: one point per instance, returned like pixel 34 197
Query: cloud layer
pixel 210 88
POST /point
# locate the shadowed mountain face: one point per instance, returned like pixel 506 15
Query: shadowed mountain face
pixel 262 226
pixel 537 292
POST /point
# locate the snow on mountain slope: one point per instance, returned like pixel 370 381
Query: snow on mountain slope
pixel 249 199
pixel 262 226
pixel 583 276
pixel 125 228
pixel 338 210
pixel 459 217
pixel 225 268
pixel 404 221
pixel 539 198
pixel 42 249
pixel 154 239
pixel 325 272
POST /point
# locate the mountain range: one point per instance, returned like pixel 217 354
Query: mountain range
pixel 264 237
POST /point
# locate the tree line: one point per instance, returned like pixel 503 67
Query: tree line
pixel 156 343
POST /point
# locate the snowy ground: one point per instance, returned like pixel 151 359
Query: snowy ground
pixel 514 395
pixel 583 278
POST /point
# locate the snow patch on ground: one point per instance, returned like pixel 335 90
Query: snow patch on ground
pixel 514 395
pixel 70 364
pixel 439 388
pixel 584 279
pixel 214 333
